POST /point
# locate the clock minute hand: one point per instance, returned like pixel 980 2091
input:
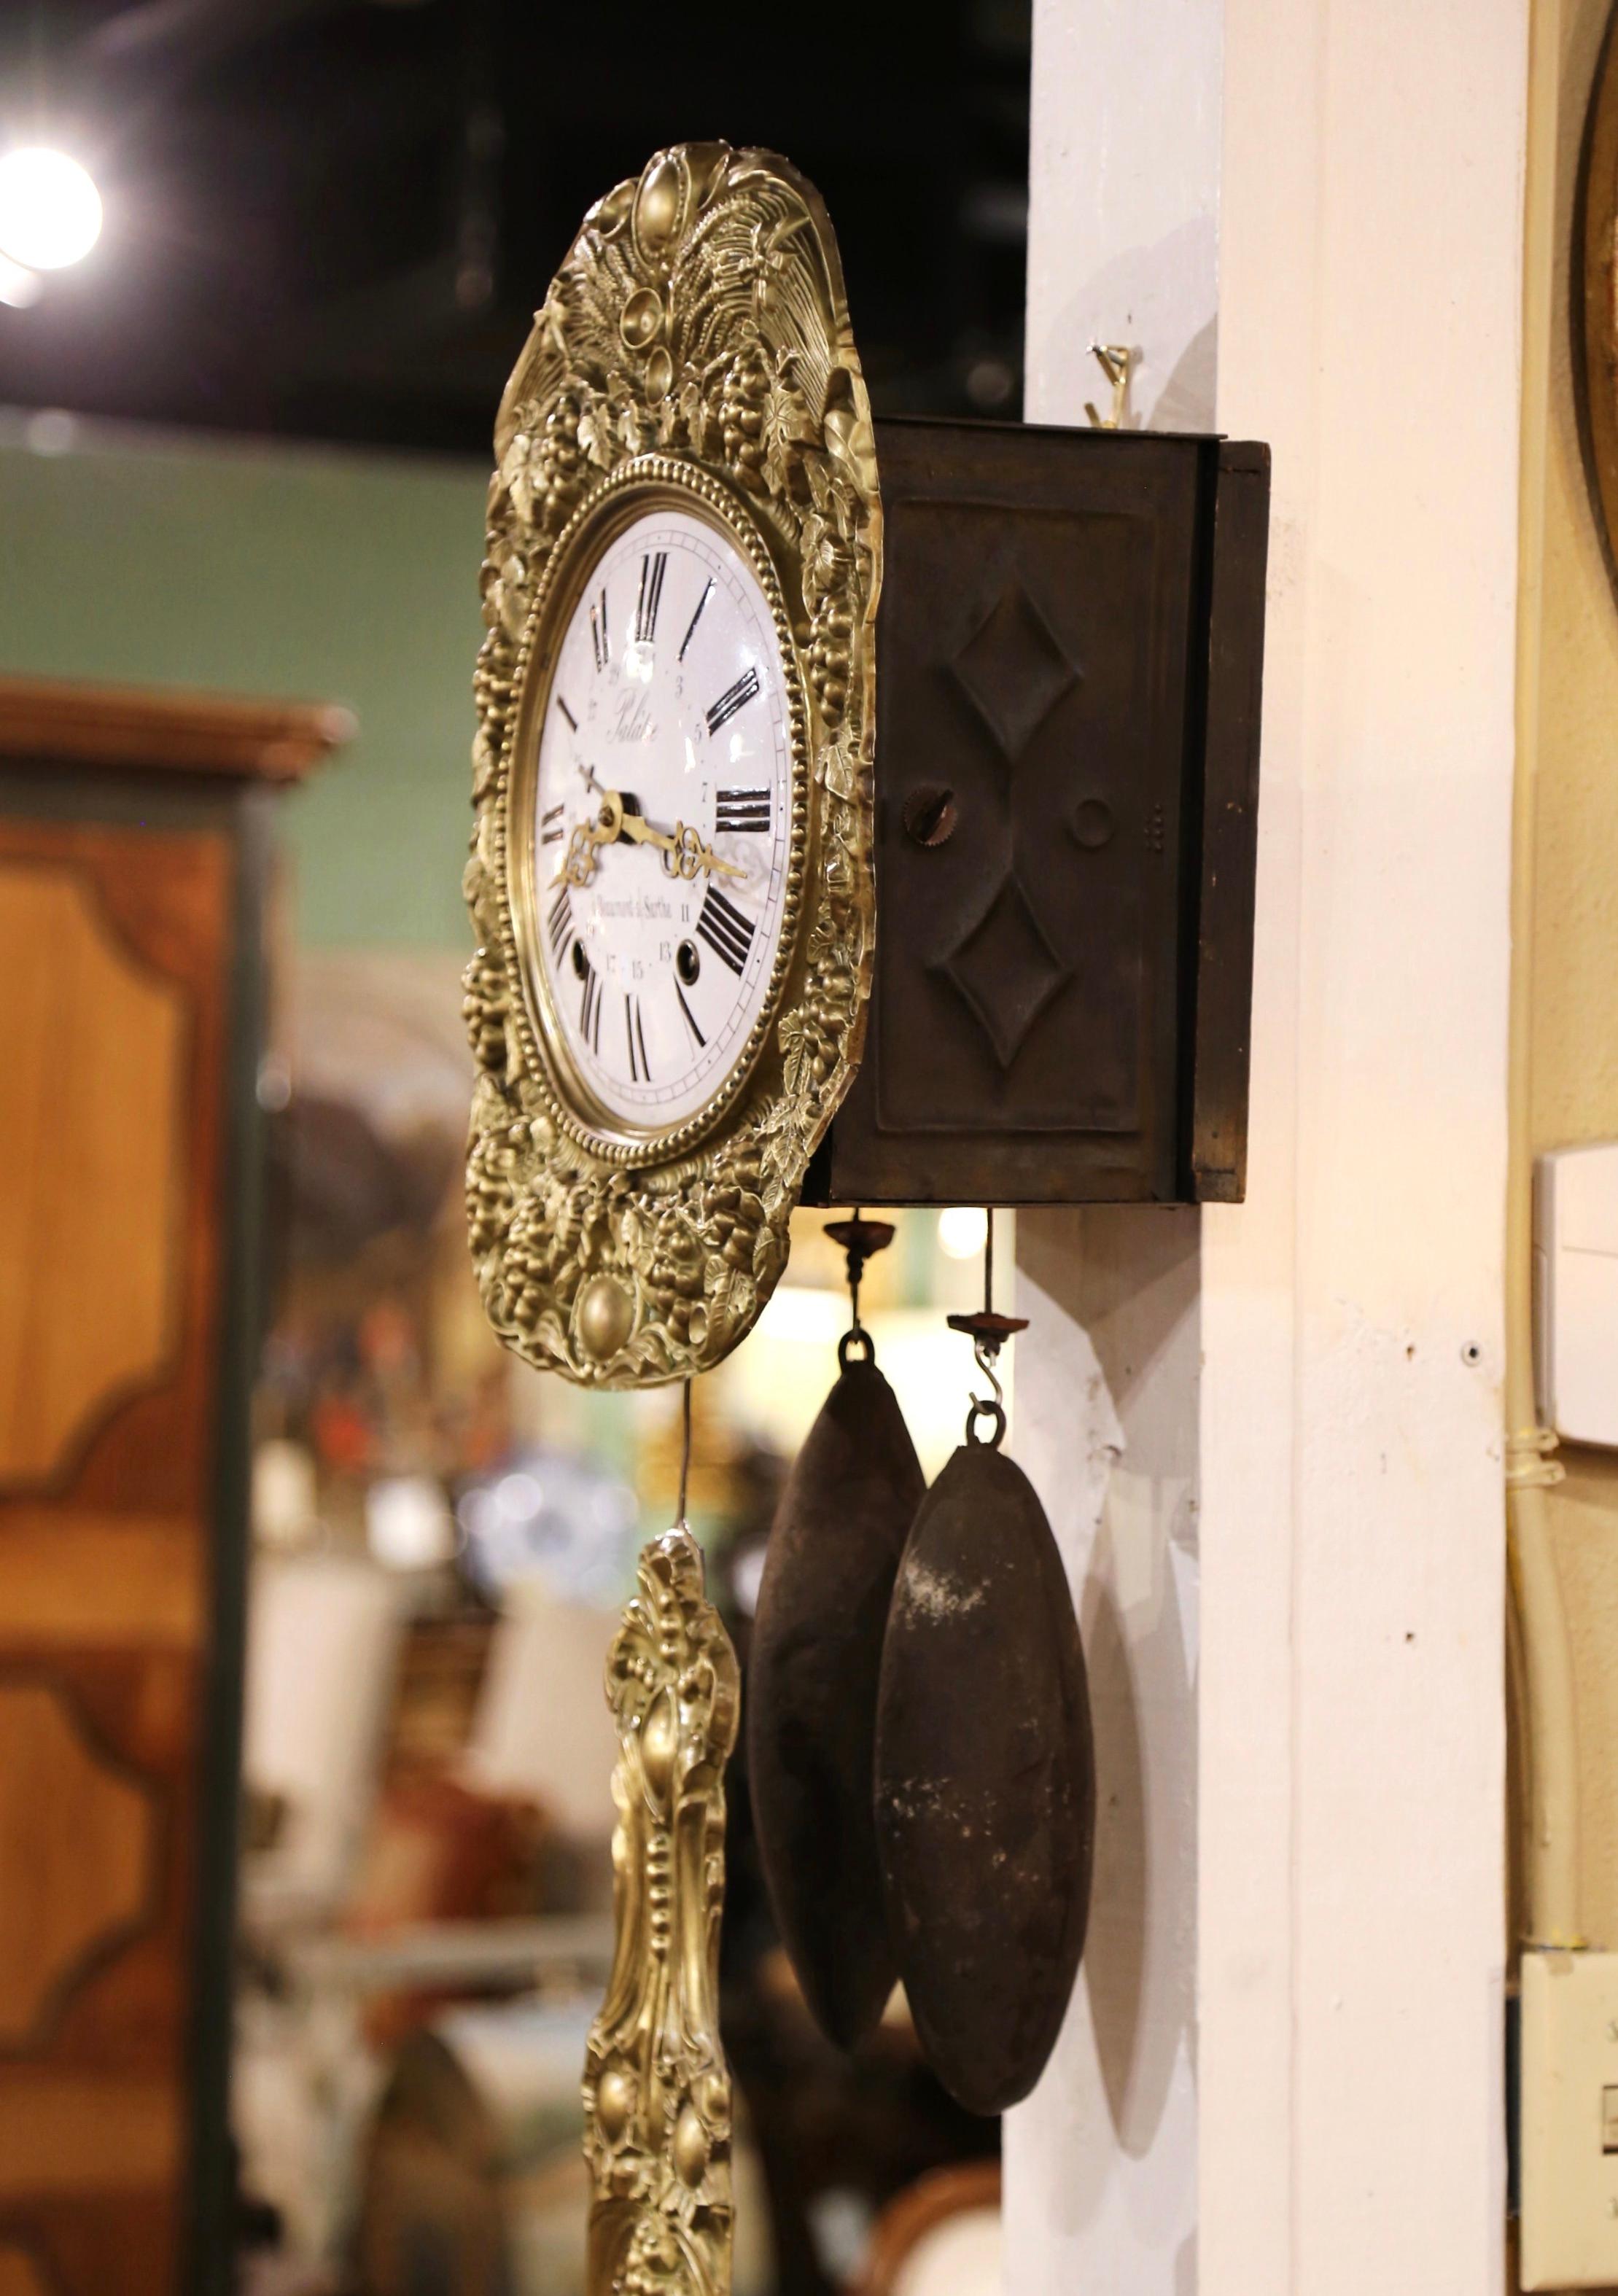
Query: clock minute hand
pixel 681 846
pixel 621 819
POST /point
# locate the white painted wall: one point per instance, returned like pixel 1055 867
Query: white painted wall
pixel 1358 229
pixel 1124 212
pixel 1101 2161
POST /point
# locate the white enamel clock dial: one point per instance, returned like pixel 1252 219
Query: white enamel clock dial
pixel 662 820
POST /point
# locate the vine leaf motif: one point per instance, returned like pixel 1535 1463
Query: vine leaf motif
pixel 596 432
pixel 656 2085
pixel 696 336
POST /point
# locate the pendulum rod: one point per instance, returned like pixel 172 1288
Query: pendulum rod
pixel 680 1522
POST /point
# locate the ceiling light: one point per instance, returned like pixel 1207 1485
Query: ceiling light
pixel 19 286
pixel 962 1231
pixel 50 210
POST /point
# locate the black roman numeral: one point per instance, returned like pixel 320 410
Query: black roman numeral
pixel 567 713
pixel 690 1015
pixel 695 618
pixel 599 638
pixel 735 697
pixel 651 570
pixel 561 925
pixel 726 931
pixel 550 835
pixel 640 1072
pixel 589 1008
pixel 741 808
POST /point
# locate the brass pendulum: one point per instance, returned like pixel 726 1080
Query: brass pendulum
pixel 817 1655
pixel 985 1771
pixel 656 2085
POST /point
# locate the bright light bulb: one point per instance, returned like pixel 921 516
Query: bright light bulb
pixel 962 1231
pixel 50 210
pixel 19 287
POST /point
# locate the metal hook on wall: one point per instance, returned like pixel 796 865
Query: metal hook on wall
pixel 1117 362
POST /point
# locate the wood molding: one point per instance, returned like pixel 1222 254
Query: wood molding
pixel 75 1578
pixel 166 730
pixel 77 2133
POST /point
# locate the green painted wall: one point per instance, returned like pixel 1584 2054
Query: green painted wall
pixel 252 568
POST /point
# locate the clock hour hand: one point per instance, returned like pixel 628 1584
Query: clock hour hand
pixel 589 836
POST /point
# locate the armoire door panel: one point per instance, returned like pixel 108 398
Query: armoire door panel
pixel 122 2008
pixel 114 943
pixel 80 1842
pixel 92 1044
pixel 116 948
pixel 100 1945
pixel 134 847
pixel 22 2273
pixel 126 2245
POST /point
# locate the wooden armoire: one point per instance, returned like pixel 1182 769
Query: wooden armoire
pixel 135 843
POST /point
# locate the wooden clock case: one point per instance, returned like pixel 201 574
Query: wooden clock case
pixel 1069 654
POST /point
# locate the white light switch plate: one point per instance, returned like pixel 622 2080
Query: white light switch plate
pixel 1569 2063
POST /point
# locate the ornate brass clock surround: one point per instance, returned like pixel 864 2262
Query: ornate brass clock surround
pixel 695 345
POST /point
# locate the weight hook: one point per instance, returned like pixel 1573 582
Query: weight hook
pixel 980 1409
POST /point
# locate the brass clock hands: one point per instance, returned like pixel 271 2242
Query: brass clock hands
pixel 683 852
pixel 682 847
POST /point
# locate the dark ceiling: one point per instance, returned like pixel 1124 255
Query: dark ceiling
pixel 333 218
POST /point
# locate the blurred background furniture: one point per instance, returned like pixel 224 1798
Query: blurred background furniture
pixel 133 860
pixel 474 2180
pixel 942 2237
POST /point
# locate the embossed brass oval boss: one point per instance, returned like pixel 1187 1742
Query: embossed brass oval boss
pixel 671 875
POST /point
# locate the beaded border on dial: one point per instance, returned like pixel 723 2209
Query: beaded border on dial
pixel 647 474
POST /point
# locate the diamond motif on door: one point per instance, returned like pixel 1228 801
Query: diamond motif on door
pixel 1014 670
pixel 1006 970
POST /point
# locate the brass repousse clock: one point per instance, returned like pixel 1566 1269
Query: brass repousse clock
pixel 670 870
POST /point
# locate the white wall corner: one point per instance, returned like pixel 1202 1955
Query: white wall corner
pixel 1333 196
pixel 1101 2162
